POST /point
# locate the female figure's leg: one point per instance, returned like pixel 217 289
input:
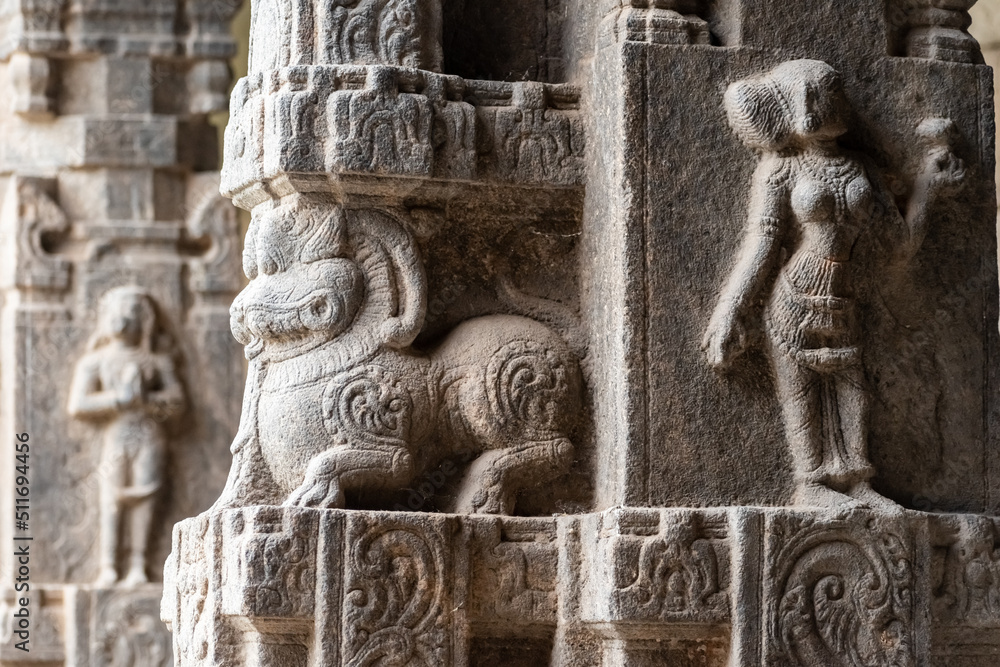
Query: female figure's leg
pixel 112 480
pixel 853 399
pixel 800 391
pixel 147 475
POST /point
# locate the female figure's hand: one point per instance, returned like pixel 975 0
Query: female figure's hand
pixel 726 337
pixel 943 173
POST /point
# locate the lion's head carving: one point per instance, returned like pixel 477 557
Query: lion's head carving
pixel 319 273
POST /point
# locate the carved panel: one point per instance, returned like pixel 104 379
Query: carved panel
pixel 380 128
pixel 968 593
pixel 666 566
pixel 839 591
pixel 127 631
pixel 270 562
pixel 192 596
pixel 398 592
pixel 532 140
pixel 406 33
pixel 513 564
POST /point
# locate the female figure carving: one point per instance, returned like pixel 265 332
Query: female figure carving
pixel 130 384
pixel 810 202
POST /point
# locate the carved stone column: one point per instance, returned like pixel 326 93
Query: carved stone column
pixel 118 262
pixel 686 359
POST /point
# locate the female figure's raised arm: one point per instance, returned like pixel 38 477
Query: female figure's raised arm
pixel 942 175
pixel 726 336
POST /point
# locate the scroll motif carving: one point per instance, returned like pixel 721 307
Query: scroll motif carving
pixel 213 223
pixel 841 592
pixel 128 384
pixel 396 601
pixel 816 200
pixel 335 300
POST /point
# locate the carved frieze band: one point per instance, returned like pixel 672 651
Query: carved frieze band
pixel 342 587
pixel 55 27
pixel 386 120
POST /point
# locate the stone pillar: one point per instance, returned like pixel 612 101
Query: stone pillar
pixel 686 359
pixel 117 368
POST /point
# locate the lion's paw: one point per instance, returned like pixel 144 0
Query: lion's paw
pixel 318 493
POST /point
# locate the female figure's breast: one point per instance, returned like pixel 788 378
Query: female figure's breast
pixel 831 204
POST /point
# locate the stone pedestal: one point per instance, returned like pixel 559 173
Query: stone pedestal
pixel 681 353
pixel 118 262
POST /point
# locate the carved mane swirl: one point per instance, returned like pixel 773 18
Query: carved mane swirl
pixel 395 301
pixel 526 386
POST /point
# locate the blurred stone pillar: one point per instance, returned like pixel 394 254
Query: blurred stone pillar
pixel 110 216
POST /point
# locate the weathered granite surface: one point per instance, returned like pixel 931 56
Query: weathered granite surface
pixel 119 262
pixel 608 333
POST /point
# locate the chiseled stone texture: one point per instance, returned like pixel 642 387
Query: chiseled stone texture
pixel 613 333
pixel 118 262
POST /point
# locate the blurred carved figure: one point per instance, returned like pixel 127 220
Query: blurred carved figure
pixel 810 202
pixel 127 381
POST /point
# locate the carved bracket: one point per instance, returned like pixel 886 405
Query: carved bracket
pixel 673 22
pixel 32 216
pixel 938 29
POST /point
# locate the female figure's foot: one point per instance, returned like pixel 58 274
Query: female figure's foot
pixel 136 577
pixel 814 494
pixel 107 577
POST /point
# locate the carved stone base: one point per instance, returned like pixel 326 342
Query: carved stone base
pixel 84 626
pixel 732 586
